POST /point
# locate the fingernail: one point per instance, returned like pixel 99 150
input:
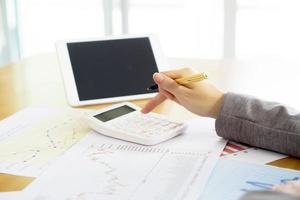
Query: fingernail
pixel 158 77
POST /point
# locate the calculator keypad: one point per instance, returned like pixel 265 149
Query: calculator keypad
pixel 144 125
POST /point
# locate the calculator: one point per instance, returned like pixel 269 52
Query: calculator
pixel 125 121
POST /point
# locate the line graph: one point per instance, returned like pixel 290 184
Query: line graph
pixel 95 154
pixel 30 150
pixel 113 181
pixel 115 170
pixel 257 185
pixel 25 118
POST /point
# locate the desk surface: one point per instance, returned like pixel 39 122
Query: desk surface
pixel 37 81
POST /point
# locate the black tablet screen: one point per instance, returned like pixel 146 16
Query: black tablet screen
pixel 112 68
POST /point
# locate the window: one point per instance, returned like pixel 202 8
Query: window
pixel 186 28
pixel 9 40
pixel 268 28
pixel 44 22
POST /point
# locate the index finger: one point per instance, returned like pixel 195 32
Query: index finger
pixel 158 99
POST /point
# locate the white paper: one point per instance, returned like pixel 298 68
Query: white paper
pixel 99 167
pixel 10 195
pixel 33 137
pixel 16 196
pixel 16 123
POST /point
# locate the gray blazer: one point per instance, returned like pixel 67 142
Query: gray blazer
pixel 262 124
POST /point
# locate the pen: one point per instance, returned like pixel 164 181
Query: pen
pixel 184 80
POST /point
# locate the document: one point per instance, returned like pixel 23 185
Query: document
pixel 99 167
pixel 232 178
pixel 11 195
pixel 241 152
pixel 205 128
pixel 33 137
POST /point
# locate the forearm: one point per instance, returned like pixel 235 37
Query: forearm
pixel 263 124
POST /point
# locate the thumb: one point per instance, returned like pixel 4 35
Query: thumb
pixel 166 83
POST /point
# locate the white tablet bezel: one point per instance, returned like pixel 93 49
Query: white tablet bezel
pixel 69 80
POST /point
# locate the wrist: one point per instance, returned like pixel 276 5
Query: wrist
pixel 216 107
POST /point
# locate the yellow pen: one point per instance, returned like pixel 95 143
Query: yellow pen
pixel 185 80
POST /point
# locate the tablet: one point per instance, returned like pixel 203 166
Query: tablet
pixel 109 69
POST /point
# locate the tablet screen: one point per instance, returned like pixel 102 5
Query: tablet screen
pixel 112 68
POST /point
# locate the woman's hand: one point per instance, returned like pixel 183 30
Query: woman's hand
pixel 201 98
pixel 291 188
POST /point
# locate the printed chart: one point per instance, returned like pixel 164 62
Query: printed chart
pixel 205 128
pixel 29 149
pixel 247 177
pixel 111 170
pixel 246 153
pixel 234 148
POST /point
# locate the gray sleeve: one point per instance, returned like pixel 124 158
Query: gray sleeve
pixel 267 195
pixel 259 123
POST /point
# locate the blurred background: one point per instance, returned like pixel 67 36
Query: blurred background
pixel 262 35
pixel 209 29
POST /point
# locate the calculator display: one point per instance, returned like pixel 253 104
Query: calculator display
pixel 114 113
